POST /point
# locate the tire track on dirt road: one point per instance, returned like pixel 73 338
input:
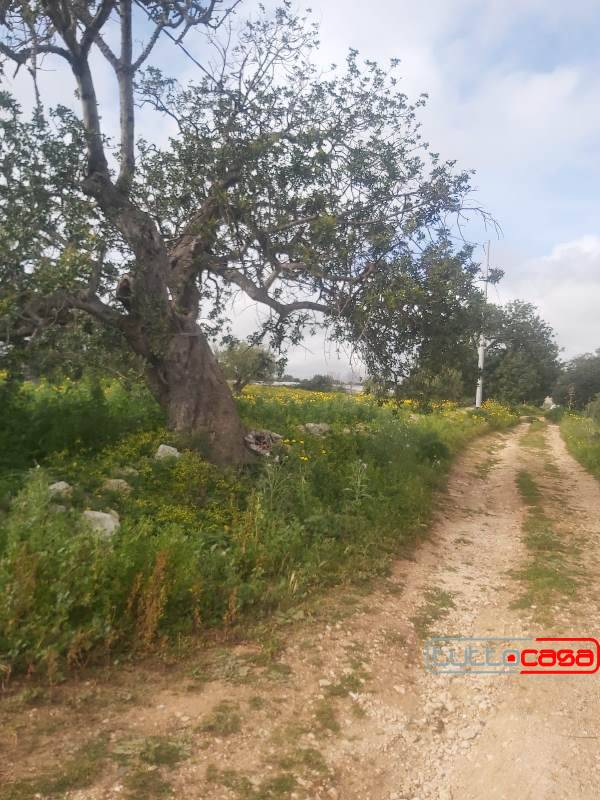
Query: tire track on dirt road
pixel 506 736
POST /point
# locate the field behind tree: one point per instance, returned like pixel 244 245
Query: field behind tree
pixel 200 548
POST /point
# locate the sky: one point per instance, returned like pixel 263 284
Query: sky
pixel 514 94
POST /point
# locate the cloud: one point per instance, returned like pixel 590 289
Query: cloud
pixel 565 285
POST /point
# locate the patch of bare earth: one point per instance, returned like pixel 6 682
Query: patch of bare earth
pixel 339 704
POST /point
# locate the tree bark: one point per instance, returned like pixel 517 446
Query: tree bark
pixel 191 388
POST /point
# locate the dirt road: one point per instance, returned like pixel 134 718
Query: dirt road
pixel 339 704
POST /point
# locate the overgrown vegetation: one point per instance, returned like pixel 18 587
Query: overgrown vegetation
pixel 582 435
pixel 200 546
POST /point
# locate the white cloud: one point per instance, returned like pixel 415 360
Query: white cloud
pixel 565 285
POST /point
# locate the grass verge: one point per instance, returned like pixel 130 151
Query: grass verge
pixel 582 436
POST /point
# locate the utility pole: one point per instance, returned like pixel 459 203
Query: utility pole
pixel 481 347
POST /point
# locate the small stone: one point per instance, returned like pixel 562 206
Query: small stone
pixel 102 522
pixel 166 451
pixel 60 489
pixel 316 428
pixel 324 682
pixel 117 485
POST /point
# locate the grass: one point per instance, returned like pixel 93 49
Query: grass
pixel 534 437
pixel 301 759
pixel 528 488
pixel 326 716
pixel 76 772
pixel 201 547
pixel 582 436
pixel 144 784
pixel 352 682
pixel 162 751
pixel 437 606
pixel 483 468
pixel 142 756
pixel 224 720
pixel 550 572
pixel 276 787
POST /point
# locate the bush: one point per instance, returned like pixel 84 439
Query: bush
pixel 556 414
pixel 318 383
pixel 497 415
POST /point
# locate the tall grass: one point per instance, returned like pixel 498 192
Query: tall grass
pixel 200 546
pixel 582 435
pixel 39 419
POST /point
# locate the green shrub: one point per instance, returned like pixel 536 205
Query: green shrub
pixel 43 418
pixel 556 414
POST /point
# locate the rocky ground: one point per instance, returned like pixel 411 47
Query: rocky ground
pixel 334 701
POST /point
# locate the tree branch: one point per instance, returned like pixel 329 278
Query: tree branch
pixel 261 295
pixel 95 24
pixel 20 57
pixel 125 78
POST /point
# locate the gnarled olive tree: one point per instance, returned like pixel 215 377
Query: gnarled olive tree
pixel 308 190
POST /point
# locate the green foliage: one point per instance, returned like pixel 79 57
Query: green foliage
pixel 497 415
pixel 42 418
pixel 425 384
pixel 593 409
pixel 579 381
pixel 582 435
pixel 556 414
pixel 200 546
pixel 522 358
pixel 421 320
pixel 244 363
pixel 318 383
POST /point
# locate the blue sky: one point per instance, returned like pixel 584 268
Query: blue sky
pixel 515 95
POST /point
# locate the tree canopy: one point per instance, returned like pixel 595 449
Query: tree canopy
pixel 579 380
pixel 522 358
pixel 243 363
pixel 312 192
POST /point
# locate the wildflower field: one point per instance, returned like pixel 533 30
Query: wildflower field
pixel 200 547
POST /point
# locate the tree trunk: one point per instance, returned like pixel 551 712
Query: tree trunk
pixel 193 391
